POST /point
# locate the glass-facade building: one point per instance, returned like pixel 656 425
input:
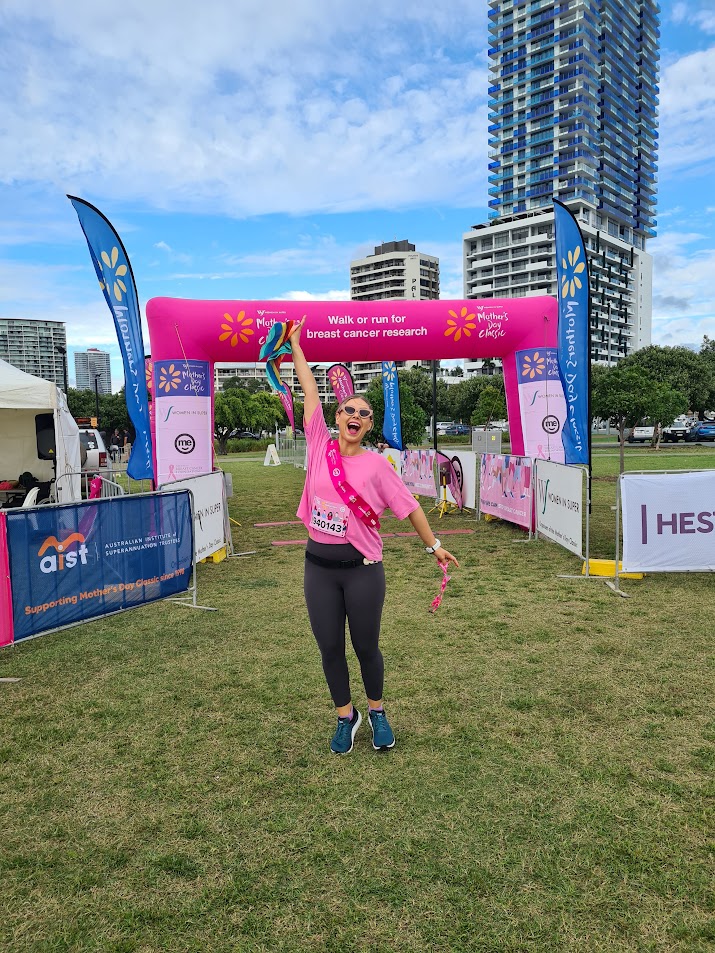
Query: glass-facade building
pixel 573 114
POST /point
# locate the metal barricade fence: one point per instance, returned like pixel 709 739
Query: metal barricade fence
pixel 291 450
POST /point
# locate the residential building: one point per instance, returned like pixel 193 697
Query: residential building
pixel 395 270
pixel 573 116
pixel 36 347
pixel 90 366
pixel 247 371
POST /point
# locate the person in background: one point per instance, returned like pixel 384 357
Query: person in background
pixel 346 490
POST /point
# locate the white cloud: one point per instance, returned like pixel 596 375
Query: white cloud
pixel 683 291
pixel 702 17
pixel 687 112
pixel 315 108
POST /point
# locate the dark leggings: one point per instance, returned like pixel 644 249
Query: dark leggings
pixel 334 594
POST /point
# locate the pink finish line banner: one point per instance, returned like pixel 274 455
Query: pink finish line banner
pixel 352 330
pixel 181 330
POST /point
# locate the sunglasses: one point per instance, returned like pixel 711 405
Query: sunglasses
pixel 351 411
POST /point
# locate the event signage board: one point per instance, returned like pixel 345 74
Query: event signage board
pixel 668 521
pixel 184 444
pixel 541 403
pixel 209 511
pixel 464 463
pixel 505 488
pixel 71 563
pixel 559 504
pixel 418 472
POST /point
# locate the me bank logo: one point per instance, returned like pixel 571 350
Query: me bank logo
pixel 61 559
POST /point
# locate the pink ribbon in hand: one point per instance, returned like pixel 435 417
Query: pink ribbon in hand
pixel 443 585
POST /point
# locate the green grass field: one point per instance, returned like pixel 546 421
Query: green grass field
pixel 166 783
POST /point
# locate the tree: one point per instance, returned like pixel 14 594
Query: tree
pixel 625 395
pixel 232 411
pixel 464 397
pixel 252 384
pixel 268 410
pixel 419 382
pixel 413 416
pixel 681 369
pixel 491 403
pixel 707 356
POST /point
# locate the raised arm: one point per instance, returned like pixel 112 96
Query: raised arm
pixel 305 375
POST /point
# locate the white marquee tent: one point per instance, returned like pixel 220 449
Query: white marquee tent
pixel 22 397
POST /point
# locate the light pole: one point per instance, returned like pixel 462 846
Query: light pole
pixel 96 397
pixel 61 349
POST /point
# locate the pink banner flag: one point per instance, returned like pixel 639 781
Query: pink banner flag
pixel 342 381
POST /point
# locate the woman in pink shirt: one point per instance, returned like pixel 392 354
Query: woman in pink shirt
pixel 346 490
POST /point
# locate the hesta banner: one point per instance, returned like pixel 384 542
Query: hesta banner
pixel 76 562
pixel 668 521
pixel 505 488
pixel 184 439
pixel 559 504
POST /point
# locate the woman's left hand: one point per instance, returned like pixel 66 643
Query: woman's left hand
pixel 443 556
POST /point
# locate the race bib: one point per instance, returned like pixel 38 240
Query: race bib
pixel 331 518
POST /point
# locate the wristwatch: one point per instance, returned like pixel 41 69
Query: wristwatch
pixel 431 549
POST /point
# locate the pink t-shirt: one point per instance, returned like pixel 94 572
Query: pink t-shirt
pixel 370 474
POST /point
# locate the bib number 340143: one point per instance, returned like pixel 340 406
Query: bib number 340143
pixel 328 517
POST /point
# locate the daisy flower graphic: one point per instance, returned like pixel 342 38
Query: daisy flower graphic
pixel 169 378
pixel 572 270
pixel 238 330
pixel 458 324
pixel 113 275
pixel 533 367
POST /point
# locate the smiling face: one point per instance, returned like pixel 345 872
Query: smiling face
pixel 352 424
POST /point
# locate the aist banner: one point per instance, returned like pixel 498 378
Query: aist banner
pixel 73 563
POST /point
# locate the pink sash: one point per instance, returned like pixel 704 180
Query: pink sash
pixel 349 496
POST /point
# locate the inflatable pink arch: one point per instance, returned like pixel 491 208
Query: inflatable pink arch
pixel 188 337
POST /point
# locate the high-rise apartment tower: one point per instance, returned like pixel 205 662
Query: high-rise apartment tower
pixel 395 270
pixel 90 365
pixel 36 347
pixel 573 115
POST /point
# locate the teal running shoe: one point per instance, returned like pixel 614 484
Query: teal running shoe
pixel 382 735
pixel 344 736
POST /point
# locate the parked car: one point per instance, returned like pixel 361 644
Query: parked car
pixel 641 435
pixel 678 430
pixel 704 430
pixel 93 452
pixel 457 430
pixel 243 435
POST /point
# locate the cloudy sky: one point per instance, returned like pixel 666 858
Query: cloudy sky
pixel 252 148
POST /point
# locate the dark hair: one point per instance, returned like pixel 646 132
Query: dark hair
pixel 355 397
